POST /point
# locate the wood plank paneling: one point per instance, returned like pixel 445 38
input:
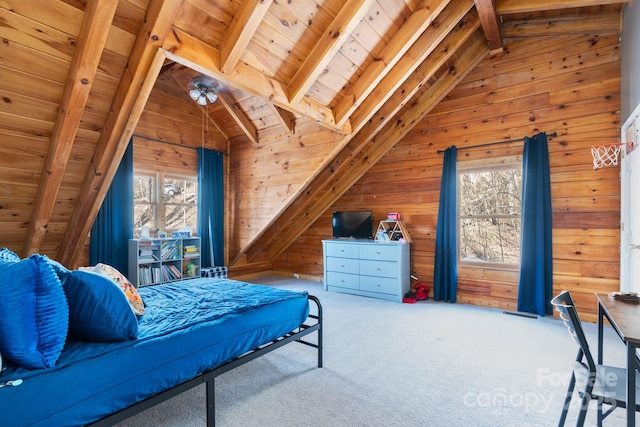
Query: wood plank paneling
pixel 264 176
pixel 566 84
pixel 563 83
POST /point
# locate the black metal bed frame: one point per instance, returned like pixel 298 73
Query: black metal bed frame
pixel 209 376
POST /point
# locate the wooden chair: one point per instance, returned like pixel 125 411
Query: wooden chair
pixel 602 383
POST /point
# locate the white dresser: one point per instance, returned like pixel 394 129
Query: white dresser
pixel 368 268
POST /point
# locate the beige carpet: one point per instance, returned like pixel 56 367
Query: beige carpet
pixel 390 364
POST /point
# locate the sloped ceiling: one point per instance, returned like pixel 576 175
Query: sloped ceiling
pixel 367 69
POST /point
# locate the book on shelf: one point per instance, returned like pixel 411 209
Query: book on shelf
pixel 147 257
pixel 190 251
pixel 147 246
pixel 149 275
pixel 191 255
pixel 170 272
pixel 175 272
pixel 170 250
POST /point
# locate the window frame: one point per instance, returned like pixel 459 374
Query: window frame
pixel 159 203
pixel 503 163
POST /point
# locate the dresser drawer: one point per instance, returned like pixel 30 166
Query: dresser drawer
pixel 381 285
pixel 343 280
pixel 378 268
pixel 342 265
pixel 343 250
pixel 379 251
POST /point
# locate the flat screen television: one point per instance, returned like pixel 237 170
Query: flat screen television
pixel 353 224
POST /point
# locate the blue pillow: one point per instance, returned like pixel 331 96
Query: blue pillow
pixel 98 309
pixel 7 256
pixel 60 270
pixel 34 316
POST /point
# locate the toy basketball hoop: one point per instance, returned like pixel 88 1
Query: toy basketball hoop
pixel 605 155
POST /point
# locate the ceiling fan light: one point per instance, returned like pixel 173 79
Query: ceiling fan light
pixel 202 100
pixel 211 96
pixel 194 94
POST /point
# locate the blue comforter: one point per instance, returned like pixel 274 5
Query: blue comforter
pixel 188 327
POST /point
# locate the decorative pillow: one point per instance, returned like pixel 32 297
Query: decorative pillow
pixel 7 256
pixel 98 309
pixel 34 317
pixel 123 283
pixel 59 269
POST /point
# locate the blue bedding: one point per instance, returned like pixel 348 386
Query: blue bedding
pixel 188 327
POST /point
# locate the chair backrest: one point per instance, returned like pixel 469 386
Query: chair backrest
pixel 568 313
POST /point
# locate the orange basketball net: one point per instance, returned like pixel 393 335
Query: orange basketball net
pixel 605 155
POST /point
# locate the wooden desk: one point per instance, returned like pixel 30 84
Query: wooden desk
pixel 624 317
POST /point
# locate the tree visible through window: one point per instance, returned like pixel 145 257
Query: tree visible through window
pixel 489 206
pixel 165 203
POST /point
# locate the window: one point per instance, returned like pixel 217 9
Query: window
pixel 144 202
pixel 489 205
pixel 164 202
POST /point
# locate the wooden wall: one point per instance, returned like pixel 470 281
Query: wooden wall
pixel 567 84
pixel 165 138
pixel 263 177
pixel 260 178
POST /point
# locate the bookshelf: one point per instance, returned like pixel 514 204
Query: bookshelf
pixel 156 261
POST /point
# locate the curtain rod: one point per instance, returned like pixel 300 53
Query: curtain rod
pixel 224 153
pixel 499 142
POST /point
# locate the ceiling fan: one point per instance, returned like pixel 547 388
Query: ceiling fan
pixel 202 89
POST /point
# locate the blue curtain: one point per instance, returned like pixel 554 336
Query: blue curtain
pixel 536 261
pixel 445 276
pixel 113 226
pixel 211 207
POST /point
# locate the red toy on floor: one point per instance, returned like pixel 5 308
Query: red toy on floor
pixel 419 292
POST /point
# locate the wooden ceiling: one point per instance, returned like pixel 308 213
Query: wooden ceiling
pixel 76 76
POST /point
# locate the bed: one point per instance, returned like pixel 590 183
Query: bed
pixel 191 332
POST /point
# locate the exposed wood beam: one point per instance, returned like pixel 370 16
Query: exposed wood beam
pixel 358 155
pixel 137 81
pixel 238 116
pixel 392 52
pixel 385 111
pixel 371 148
pixel 427 69
pixel 490 25
pixel 600 23
pixel 237 37
pixel 451 28
pixel 286 119
pixel 97 20
pixel 193 53
pixel 168 65
pixel 505 7
pixel 331 41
